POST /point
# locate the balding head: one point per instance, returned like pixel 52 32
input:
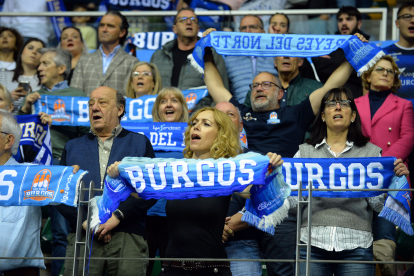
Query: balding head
pixel 232 112
pixel 106 108
pixel 263 99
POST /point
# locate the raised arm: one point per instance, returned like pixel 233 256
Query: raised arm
pixel 213 79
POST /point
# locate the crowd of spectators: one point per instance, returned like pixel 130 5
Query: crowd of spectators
pixel 249 90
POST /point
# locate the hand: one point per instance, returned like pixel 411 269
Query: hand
pixel 227 232
pixel 400 168
pixel 45 118
pixel 275 159
pixel 75 169
pixel 361 37
pixel 208 31
pixel 30 100
pixel 105 228
pixel 18 93
pixel 324 17
pixel 112 170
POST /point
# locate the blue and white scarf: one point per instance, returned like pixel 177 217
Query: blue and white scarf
pixel 58 22
pixel 360 55
pixel 189 178
pixel 37 136
pixel 39 185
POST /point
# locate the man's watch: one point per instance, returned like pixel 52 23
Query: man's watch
pixel 118 214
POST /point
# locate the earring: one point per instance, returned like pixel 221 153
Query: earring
pixel 352 121
pixel 323 120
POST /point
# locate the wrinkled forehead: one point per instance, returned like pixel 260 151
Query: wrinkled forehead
pixel 103 93
pixel 227 107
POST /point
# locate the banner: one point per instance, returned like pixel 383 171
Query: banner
pixel 360 55
pixel 191 178
pixel 39 185
pixel 37 136
pixel 58 22
pixel 74 111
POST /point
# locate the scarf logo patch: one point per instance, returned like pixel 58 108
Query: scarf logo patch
pixel 40 187
pixel 273 118
pixel 60 112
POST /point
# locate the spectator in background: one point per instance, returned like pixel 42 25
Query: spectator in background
pixel 29 27
pixel 321 24
pixel 71 39
pixel 145 79
pixel 88 32
pixel 279 24
pixel 26 71
pixel 242 69
pixel 349 22
pixel 172 58
pixel 110 65
pixel 10 44
pixel 388 121
pixel 170 106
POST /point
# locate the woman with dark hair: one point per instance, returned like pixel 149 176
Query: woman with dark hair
pixel 341 227
pixel 71 39
pixel 10 44
pixel 26 71
pixel 388 121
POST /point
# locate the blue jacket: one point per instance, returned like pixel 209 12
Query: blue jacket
pixel 84 151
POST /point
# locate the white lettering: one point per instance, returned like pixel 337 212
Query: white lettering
pixel 371 166
pixel 332 168
pixel 182 174
pixel 8 184
pixel 315 177
pixel 231 174
pixel 162 141
pixel 136 175
pixel 131 109
pixel 351 183
pixel 243 169
pixel 200 181
pixel 140 39
pixel 83 111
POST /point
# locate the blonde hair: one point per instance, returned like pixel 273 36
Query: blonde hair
pixel 179 95
pixel 397 81
pixel 156 77
pixel 227 142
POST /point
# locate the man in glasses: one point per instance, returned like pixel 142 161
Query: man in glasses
pixel 272 128
pixel 242 69
pixel 403 50
pixel 172 59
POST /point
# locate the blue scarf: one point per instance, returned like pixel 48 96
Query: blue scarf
pixel 39 185
pixel 74 111
pixel 37 136
pixel 189 178
pixel 58 22
pixel 360 55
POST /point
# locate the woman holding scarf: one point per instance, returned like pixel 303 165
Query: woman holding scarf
pixel 341 227
pixel 195 226
pixel 388 121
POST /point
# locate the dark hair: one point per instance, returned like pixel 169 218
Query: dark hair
pixel 72 27
pixel 319 128
pixel 19 40
pixel 350 11
pixel 408 5
pixel 279 13
pixel 183 9
pixel 124 25
pixel 120 99
pixel 19 66
pixel 253 15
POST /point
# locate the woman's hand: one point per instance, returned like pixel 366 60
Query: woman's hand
pixel 45 118
pixel 206 32
pixel 113 169
pixel 275 159
pixel 400 168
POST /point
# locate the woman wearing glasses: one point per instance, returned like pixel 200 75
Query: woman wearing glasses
pixel 145 79
pixel 341 227
pixel 388 121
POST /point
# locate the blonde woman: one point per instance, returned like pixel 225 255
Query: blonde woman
pixel 145 79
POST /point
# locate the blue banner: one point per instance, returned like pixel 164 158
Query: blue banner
pixel 37 136
pixel 74 111
pixel 38 185
pixel 58 22
pixel 163 136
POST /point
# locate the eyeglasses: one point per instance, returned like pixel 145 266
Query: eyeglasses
pixel 184 19
pixel 251 27
pixel 406 17
pixel 265 85
pixel 380 70
pixel 344 104
pixel 144 74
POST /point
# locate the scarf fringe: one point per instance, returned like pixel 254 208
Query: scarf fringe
pixel 195 65
pixel 397 219
pixel 268 223
pixel 371 63
pixel 95 221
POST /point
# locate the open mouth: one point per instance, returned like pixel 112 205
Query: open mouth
pixel 195 137
pixel 96 117
pixel 189 29
pixel 70 44
pixel 140 84
pixel 169 112
pixel 337 116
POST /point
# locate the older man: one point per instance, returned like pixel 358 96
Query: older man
pixel 242 69
pixel 19 225
pixel 54 68
pixel 272 128
pixel 123 234
pixel 110 65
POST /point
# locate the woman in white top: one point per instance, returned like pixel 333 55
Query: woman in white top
pixel 26 71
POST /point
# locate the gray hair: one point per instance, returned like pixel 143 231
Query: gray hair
pixel 276 78
pixel 6 92
pixel 10 126
pixel 62 57
pixel 120 99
